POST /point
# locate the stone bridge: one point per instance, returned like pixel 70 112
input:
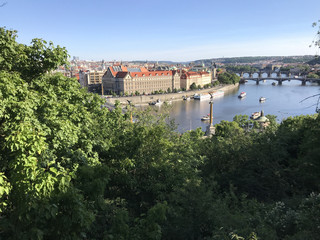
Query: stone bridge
pixel 303 80
pixel 280 77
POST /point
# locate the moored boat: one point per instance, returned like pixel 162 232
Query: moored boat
pixel 156 103
pixel 202 96
pixel 218 93
pixel 186 98
pixel 262 99
pixel 274 84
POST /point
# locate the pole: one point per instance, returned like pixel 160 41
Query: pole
pixel 211 112
pixel 102 92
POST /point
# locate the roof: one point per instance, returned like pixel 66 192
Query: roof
pixel 151 74
pixel 121 74
pixel 196 73
pixel 122 71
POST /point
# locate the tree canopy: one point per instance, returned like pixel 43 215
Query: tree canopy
pixel 228 78
pixel 71 169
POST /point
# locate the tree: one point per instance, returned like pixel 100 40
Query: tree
pixel 49 128
pixel 228 78
pixel 193 86
pixel 30 61
pixel 312 75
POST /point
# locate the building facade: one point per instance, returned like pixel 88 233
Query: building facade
pixel 126 80
pixel 199 78
pixel 87 78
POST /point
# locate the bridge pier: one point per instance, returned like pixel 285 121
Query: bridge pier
pixel 257 82
pixel 279 82
pixel 304 82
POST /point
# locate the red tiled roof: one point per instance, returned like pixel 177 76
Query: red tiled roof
pixel 196 73
pixel 144 72
pixel 153 73
pixel 113 72
pixel 121 74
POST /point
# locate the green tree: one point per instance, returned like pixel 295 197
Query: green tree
pixel 49 128
pixel 228 78
pixel 193 86
pixel 30 61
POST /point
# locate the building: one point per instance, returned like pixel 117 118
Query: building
pixel 126 80
pixel 87 78
pixel 199 78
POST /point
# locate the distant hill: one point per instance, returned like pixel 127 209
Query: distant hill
pixel 240 60
pixel 314 61
pixel 276 59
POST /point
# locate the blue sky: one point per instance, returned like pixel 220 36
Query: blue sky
pixel 173 30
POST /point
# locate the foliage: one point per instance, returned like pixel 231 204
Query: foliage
pixel 70 169
pixel 30 61
pixel 228 78
pixel 312 75
pixel 193 86
pixel 246 69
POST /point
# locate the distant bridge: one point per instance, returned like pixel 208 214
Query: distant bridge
pixel 280 77
pixel 303 80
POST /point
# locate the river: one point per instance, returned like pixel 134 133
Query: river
pixel 282 100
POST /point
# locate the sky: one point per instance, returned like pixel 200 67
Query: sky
pixel 170 30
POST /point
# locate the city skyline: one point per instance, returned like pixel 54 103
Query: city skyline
pixel 167 30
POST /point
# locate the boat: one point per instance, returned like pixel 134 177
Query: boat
pixel 262 99
pixel 255 115
pixel 156 103
pixel 242 95
pixel 218 93
pixel 205 117
pixel 186 98
pixel 274 84
pixel 202 96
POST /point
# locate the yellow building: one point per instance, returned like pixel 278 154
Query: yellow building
pixel 90 78
pixel 199 78
pixel 121 79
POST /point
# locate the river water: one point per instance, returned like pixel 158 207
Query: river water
pixel 282 100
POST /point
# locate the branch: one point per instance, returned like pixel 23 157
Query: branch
pixel 309 97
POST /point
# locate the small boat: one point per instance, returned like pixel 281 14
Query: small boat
pixel 242 95
pixel 157 103
pixel 186 98
pixel 255 115
pixel 205 117
pixel 274 84
pixel 262 99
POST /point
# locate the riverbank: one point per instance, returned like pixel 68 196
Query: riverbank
pixel 145 99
